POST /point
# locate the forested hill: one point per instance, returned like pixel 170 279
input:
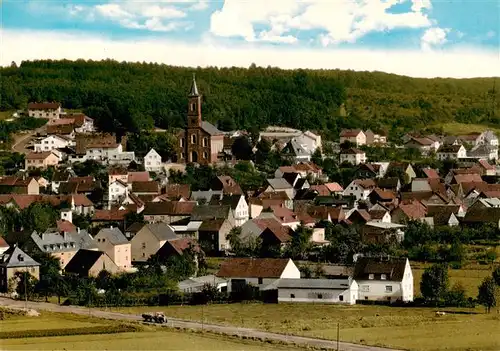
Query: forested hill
pixel 137 96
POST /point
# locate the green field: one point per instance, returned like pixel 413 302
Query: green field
pixel 455 128
pixel 150 338
pixel 406 328
pixel 470 277
pixel 5 115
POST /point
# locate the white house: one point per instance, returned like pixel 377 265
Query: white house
pixel 423 144
pixel 353 156
pixel 117 190
pixel 196 284
pixel 384 279
pixel 258 272
pixel 49 110
pixel 152 161
pixel 309 141
pixel 51 142
pixel 84 124
pixel 360 188
pixel 317 290
pixel 102 151
pixel 355 136
pixel 451 152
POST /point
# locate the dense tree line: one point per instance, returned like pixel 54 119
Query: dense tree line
pixel 135 96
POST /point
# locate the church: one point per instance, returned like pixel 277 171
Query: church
pixel 201 142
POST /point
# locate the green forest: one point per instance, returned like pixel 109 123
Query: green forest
pixel 138 96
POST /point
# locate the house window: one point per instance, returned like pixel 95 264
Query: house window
pixel 205 155
pixel 383 277
pixel 371 276
pixel 261 281
pixel 205 142
pixel 182 142
pixel 388 288
pixel 341 298
pixel 366 297
pixel 143 245
pixel 292 296
pixel 193 138
pixel 320 296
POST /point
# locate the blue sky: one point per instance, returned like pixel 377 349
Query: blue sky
pixel 413 37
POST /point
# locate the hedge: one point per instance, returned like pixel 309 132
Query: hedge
pixel 101 329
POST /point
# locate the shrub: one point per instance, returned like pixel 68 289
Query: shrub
pixel 101 329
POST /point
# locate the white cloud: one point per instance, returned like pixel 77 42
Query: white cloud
pixel 340 20
pixel 433 37
pixel 490 34
pixel 419 5
pixel 199 6
pixel 458 62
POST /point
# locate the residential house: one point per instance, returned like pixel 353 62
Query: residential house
pixel 380 215
pixel 378 232
pixel 354 136
pixel 406 211
pixel 353 156
pixel 326 213
pixel 152 161
pixel 360 189
pixel 391 184
pixel 52 142
pixel 63 130
pixel 451 152
pixel 177 192
pixel 225 185
pixel 296 152
pixel 403 168
pixel 89 263
pixel 212 234
pixel 48 110
pixel 358 217
pixel 430 173
pixel 309 141
pixel 342 291
pixel 285 216
pixel 177 247
pixel 168 212
pixel 483 152
pixel 485 169
pixel 370 170
pixel 16 185
pixel 238 206
pixel 112 216
pixel 375 138
pixel 82 123
pixel 335 188
pixel 258 272
pixel 114 243
pixel 424 144
pixel 14 260
pixel 445 215
pixel 384 279
pixel 41 160
pixel 149 188
pixel 117 191
pixel 280 185
pixel 149 239
pixel 61 244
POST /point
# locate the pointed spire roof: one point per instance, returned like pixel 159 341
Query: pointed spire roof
pixel 194 87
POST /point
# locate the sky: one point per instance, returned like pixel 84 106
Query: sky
pixel 419 38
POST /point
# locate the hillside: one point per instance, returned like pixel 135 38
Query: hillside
pixel 134 96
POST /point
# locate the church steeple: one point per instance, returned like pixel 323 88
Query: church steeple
pixel 194 106
pixel 194 87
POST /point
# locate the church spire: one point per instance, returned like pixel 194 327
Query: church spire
pixel 194 87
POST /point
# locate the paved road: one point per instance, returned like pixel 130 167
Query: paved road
pixel 195 325
pixel 22 140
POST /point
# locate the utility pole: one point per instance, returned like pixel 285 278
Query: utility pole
pixel 338 336
pixel 25 289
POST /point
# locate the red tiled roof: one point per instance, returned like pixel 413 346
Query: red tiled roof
pixel 23 200
pixel 336 214
pixel 138 177
pixel 414 209
pixel 334 187
pixel 3 243
pixel 179 245
pixel 229 185
pixel 110 215
pixel 352 151
pixel 349 133
pixel 430 173
pixel 60 129
pixel 172 208
pixel 146 187
pixel 178 190
pixel 282 233
pixel 38 155
pixel 253 267
pixel 65 226
pixel 384 194
pixel 321 189
pixel 284 214
pixel 43 105
pixel 365 183
pixel 468 178
pixel 486 165
pixel 274 195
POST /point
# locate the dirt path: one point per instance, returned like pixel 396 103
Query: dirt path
pixel 199 326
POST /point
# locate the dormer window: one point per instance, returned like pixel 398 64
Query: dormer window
pixel 20 258
pixel 383 277
pixel 371 276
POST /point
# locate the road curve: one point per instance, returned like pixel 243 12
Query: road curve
pixel 228 330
